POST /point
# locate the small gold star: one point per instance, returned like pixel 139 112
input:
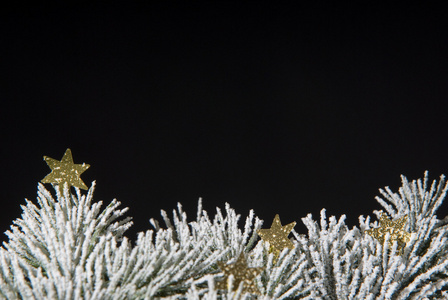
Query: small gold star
pixel 395 229
pixel 65 171
pixel 277 235
pixel 241 273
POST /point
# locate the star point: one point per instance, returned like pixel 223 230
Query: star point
pixel 65 171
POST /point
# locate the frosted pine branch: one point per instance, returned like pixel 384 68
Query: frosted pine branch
pixel 70 248
pixel 49 244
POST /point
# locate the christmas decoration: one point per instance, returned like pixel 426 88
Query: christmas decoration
pixel 394 229
pixel 277 235
pixel 241 274
pixel 65 246
pixel 65 171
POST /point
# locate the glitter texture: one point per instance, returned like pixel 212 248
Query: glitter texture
pixel 241 273
pixel 65 171
pixel 395 230
pixel 277 235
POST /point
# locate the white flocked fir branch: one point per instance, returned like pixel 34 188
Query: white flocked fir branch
pixel 68 247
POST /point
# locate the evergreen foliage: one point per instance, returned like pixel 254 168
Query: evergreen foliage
pixel 68 247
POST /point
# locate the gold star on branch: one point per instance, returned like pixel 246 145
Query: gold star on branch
pixel 277 235
pixel 395 229
pixel 241 273
pixel 65 171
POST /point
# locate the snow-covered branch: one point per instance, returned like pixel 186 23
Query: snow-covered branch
pixel 68 247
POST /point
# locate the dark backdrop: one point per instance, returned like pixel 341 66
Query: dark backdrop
pixel 280 109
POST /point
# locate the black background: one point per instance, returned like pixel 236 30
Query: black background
pixel 276 108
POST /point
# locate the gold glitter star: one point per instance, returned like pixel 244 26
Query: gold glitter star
pixel 395 229
pixel 277 235
pixel 65 171
pixel 241 273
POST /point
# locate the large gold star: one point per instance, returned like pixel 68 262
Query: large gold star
pixel 241 273
pixel 395 229
pixel 277 235
pixel 65 171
